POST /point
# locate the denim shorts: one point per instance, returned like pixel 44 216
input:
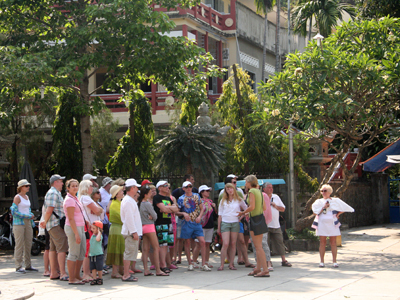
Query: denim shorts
pixel 191 230
pixel 96 262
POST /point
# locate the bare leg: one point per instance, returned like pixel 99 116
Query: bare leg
pixel 332 241
pixel 78 267
pixel 181 242
pixel 46 261
pixel 322 245
pixel 196 251
pixel 187 251
pixel 127 264
pixel 163 254
pixel 145 253
pixel 86 269
pixel 261 259
pixel 232 248
pixel 71 265
pixel 225 245
pixel 61 263
pixel 153 240
pixel 242 249
pixel 53 264
pixel 202 245
pixel 207 253
pixel 115 271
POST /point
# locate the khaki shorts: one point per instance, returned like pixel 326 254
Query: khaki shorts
pixel 131 248
pixel 230 227
pixel 58 240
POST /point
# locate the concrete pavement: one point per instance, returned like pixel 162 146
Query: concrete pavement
pixel 369 269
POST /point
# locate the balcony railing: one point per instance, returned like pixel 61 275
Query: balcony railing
pixel 206 14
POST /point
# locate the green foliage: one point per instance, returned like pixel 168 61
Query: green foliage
pixel 327 14
pixel 136 151
pixel 372 9
pixel 351 86
pixel 104 142
pixel 306 233
pixel 66 136
pixel 72 39
pixel 188 148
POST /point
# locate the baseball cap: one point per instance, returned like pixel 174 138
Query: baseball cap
pixel 232 176
pixel 98 224
pixel 106 181
pixel 131 182
pixel 161 182
pixel 23 182
pixel 89 177
pixel 186 183
pixel 204 188
pixel 55 177
pixel 146 181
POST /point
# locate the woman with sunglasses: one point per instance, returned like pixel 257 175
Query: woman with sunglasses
pixel 22 227
pixel 327 211
pixel 148 217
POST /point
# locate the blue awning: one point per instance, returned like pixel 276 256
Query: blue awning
pixel 378 163
pixel 241 183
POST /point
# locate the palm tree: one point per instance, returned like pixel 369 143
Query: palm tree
pixel 326 13
pixel 190 148
pixel 263 6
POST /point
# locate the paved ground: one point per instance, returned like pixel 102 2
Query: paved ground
pixel 369 269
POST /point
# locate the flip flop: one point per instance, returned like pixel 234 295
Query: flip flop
pixel 241 263
pixel 65 278
pixel 262 274
pixel 149 274
pixel 253 273
pixel 232 268
pixel 76 283
pixel 54 278
pixel 46 275
pixel 87 280
pixel 116 277
pixel 130 279
pixel 162 274
pixel 250 266
pixel 138 271
pixel 220 269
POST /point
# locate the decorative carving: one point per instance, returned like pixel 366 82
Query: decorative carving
pixel 204 121
pixel 228 22
pixel 249 60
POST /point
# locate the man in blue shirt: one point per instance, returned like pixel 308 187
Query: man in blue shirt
pixel 191 208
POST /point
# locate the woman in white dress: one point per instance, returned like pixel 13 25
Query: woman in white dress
pixel 326 223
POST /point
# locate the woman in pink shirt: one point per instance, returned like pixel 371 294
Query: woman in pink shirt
pixel 74 229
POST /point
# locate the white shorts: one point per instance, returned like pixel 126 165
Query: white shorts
pixel 208 234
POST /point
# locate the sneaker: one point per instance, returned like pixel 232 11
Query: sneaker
pixel 196 265
pixel 173 267
pixel 321 265
pixel 20 271
pixel 191 268
pixel 335 265
pixel 31 269
pixel 205 268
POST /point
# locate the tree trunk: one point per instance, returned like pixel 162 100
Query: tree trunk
pixel 277 37
pixel 264 47
pixel 87 156
pixel 309 31
pixel 132 135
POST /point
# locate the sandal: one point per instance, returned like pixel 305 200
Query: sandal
pixel 250 266
pixel 94 282
pixel 232 268
pixel 131 278
pixel 286 264
pixel 162 274
pixel 165 270
pixel 240 263
pixel 118 276
pixel 148 274
pixel 254 272
pixel 221 268
pixel 262 274
pixel 100 281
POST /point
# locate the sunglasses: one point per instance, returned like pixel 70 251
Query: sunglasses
pixel 234 182
pixel 165 185
pixel 323 191
pixel 97 192
pixel 189 186
pixel 26 185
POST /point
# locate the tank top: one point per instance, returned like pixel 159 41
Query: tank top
pixel 258 210
pixel 24 205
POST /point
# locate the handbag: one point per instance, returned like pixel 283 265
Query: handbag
pixel 87 235
pixel 257 223
pixel 62 220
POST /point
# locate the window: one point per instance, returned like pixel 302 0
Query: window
pixel 253 80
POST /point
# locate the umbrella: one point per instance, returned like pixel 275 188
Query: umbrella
pixel 26 173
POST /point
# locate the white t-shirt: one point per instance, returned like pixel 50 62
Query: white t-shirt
pixel 229 211
pixel 130 217
pixel 86 200
pixel 275 213
pixel 105 198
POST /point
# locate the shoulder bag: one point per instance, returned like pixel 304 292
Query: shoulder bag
pixel 62 220
pixel 257 223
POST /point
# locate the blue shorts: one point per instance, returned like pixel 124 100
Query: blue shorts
pixel 241 230
pixel 191 230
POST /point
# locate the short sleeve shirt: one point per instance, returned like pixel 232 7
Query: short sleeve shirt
pixel 86 201
pixel 162 218
pixel 190 205
pixel 54 199
pixel 275 213
pixel 71 201
pixel 95 246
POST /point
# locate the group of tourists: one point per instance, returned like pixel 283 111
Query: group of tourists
pixel 96 229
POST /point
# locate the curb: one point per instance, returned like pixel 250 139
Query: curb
pixel 15 293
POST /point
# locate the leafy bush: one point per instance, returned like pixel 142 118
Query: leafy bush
pixel 306 233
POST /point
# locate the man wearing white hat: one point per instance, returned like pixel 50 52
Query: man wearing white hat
pixel 105 200
pixel 191 208
pixel 131 227
pixel 91 178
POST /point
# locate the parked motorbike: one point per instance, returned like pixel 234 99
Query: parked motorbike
pixel 7 241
